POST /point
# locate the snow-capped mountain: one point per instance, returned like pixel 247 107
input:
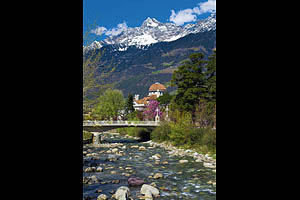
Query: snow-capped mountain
pixel 151 32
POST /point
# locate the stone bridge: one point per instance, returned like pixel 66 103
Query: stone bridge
pixel 102 126
pixel 96 127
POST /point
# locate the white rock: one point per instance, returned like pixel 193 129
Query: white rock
pixel 102 197
pixel 156 156
pixel 142 148
pixel 157 175
pixel 149 191
pixel 122 193
pixel 183 161
pixel 115 150
pixel 99 169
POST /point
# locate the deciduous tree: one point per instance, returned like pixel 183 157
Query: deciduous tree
pixel 111 105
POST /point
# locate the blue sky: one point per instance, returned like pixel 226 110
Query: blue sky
pixel 102 18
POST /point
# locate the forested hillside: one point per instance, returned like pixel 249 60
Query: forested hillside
pixel 134 70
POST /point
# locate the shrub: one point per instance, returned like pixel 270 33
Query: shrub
pixel 87 135
pixel 181 129
pixel 204 139
pixel 162 132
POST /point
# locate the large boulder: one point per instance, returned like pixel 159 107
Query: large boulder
pixel 149 191
pixel 135 181
pixel 122 193
pixel 102 197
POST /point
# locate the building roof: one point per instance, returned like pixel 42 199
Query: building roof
pixel 146 99
pixel 157 86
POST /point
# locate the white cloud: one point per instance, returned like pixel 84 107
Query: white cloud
pixel 208 6
pixel 116 31
pixel 99 30
pixel 183 16
pixel 111 32
pixel 190 15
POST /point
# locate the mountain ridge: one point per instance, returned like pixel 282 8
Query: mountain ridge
pixel 152 31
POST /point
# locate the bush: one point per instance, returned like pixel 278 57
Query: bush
pixel 87 135
pixel 204 139
pixel 161 133
pixel 182 132
pixel 181 129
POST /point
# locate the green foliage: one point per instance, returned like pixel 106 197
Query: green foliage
pixel 196 94
pixel 87 135
pixel 181 128
pixel 204 140
pixel 165 64
pixel 161 133
pixel 211 76
pixel 205 115
pixel 190 80
pixel 110 105
pixel 165 99
pixel 183 133
pixel 129 109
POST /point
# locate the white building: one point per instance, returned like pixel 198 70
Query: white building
pixel 156 90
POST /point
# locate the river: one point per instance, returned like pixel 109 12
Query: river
pixel 120 158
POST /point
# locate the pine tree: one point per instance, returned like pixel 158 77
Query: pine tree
pixel 165 99
pixel 129 105
pixel 190 80
pixel 196 82
pixel 211 75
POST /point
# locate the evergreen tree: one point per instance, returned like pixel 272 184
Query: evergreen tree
pixel 211 75
pixel 190 78
pixel 165 99
pixel 129 105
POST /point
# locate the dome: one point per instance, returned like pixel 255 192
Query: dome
pixel 157 86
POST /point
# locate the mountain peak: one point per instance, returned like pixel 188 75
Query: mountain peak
pixel 150 22
pixel 153 31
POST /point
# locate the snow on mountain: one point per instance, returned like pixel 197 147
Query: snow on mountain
pixel 152 31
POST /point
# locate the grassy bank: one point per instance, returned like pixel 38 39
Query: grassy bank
pixel 185 135
pixel 182 135
pixel 87 135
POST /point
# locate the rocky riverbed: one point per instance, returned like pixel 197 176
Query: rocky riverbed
pixel 123 168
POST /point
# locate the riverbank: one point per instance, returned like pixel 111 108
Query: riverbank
pixel 208 160
pixel 120 162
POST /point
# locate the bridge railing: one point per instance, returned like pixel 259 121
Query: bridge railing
pixel 101 123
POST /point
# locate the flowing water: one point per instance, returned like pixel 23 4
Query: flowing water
pixel 180 181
